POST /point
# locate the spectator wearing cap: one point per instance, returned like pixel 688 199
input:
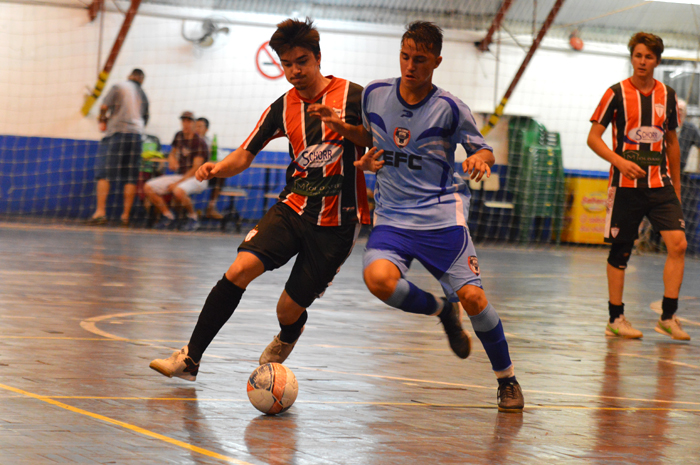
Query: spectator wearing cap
pixel 188 152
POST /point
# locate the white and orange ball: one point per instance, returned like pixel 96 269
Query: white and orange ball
pixel 272 388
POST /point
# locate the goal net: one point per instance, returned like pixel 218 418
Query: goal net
pixel 211 58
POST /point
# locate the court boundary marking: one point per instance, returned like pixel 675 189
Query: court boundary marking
pixel 128 426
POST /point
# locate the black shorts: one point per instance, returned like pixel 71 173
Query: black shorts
pixel 627 206
pixel 321 250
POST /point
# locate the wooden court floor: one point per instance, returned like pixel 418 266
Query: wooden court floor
pixel 84 310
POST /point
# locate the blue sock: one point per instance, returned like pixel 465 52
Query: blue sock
pixel 488 328
pixel 409 298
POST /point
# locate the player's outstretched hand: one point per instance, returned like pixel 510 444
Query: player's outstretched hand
pixel 206 171
pixel 369 161
pixel 476 168
pixel 630 169
pixel 325 114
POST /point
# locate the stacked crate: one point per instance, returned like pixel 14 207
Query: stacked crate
pixel 536 178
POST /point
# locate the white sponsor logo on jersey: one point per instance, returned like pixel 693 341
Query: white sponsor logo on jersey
pixel 316 156
pixel 646 135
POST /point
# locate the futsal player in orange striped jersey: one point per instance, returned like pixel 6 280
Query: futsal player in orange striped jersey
pixel 644 180
pixel 319 212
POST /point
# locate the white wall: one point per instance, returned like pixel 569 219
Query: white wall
pixel 50 59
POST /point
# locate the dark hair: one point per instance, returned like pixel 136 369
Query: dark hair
pixel 205 121
pixel 425 34
pixel 292 33
pixel 653 43
pixel 138 73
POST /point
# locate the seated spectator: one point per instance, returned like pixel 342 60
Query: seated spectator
pixel 188 152
pixel 201 127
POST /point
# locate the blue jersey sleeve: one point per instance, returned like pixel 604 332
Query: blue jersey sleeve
pixel 469 135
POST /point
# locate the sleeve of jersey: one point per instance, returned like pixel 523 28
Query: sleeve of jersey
pixel 674 120
pixel 265 131
pixel 603 114
pixel 365 110
pixel 469 135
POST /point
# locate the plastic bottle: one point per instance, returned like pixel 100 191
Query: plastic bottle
pixel 214 150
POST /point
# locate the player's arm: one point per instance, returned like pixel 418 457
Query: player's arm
pixel 235 162
pixel 673 151
pixel 629 169
pixel 358 135
pixel 479 164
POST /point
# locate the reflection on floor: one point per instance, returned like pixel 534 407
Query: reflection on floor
pixel 83 311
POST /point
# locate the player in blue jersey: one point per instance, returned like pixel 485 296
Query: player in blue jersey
pixel 422 205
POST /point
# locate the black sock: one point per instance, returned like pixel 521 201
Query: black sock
pixel 615 311
pixel 668 308
pixel 218 308
pixel 291 333
pixel 508 380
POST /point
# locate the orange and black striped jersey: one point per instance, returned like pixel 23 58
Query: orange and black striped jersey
pixel 640 122
pixel 323 184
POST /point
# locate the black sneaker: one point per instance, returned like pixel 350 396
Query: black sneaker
pixel 510 398
pixel 451 320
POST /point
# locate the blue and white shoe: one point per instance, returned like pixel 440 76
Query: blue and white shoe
pixel 191 225
pixel 164 223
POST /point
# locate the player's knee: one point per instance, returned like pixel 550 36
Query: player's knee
pixel 473 299
pixel 378 283
pixel 677 246
pixel 620 254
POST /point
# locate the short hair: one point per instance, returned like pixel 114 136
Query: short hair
pixel 292 33
pixel 205 121
pixel 426 35
pixel 138 73
pixel 652 42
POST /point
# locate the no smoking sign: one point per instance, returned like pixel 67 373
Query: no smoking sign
pixel 267 62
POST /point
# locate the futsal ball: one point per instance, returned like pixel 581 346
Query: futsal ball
pixel 272 388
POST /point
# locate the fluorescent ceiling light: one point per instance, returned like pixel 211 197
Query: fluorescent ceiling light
pixel 685 2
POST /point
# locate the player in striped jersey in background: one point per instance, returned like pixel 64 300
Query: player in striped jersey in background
pixel 644 180
pixel 319 212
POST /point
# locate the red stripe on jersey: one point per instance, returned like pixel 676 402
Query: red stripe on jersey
pixel 294 121
pixel 603 106
pixel 658 97
pixel 633 115
pixel 276 134
pixel 336 98
pixel 296 202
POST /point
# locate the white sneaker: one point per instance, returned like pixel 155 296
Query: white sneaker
pixel 672 328
pixel 621 327
pixel 178 364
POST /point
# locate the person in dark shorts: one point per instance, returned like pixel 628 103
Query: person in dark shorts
pixel 644 180
pixel 123 115
pixel 318 214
